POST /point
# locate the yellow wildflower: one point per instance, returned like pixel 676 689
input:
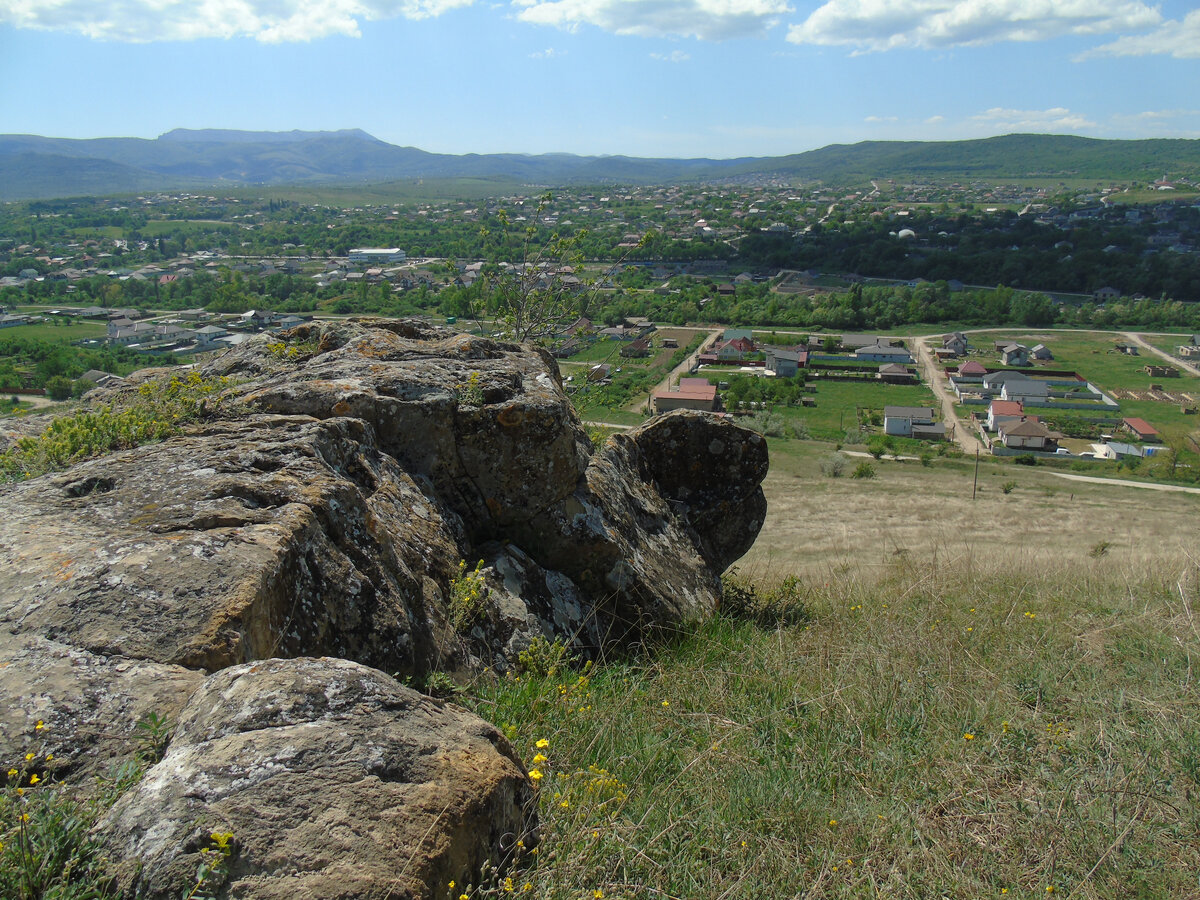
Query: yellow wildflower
pixel 535 774
pixel 542 744
pixel 968 736
pixel 33 779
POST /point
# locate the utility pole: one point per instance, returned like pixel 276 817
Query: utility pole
pixel 975 486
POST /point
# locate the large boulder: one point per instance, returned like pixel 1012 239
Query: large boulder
pixel 328 500
pixel 335 781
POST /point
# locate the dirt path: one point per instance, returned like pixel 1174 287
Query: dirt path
pixel 639 405
pixel 941 389
pixel 1092 479
pixel 1162 354
pixel 37 401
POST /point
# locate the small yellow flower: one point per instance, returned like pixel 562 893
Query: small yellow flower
pixel 542 744
pixel 1004 890
pixel 1049 889
pixel 666 703
pixel 49 756
pixel 535 774
pixel 832 823
pixel 451 885
pixel 539 759
pixel 28 757
pixel 598 894
pixel 39 726
pixel 13 773
pixel 463 897
pixel 566 804
pixel 33 779
pixel 968 737
pixel 24 817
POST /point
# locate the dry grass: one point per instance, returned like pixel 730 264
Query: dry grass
pixel 927 512
pixel 1006 708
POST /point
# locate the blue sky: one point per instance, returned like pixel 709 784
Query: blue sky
pixel 715 78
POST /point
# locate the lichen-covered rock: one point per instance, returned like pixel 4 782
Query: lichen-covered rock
pixel 335 781
pixel 89 704
pixel 328 503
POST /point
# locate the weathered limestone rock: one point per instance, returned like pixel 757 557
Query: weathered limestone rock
pixel 336 782
pixel 90 703
pixel 322 508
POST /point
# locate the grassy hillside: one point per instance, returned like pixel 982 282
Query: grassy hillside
pixel 1007 156
pixel 31 164
pixel 1001 703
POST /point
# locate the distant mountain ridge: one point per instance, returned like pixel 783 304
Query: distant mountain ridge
pixel 33 167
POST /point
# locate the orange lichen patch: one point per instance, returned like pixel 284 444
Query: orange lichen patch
pixel 511 416
pixel 341 408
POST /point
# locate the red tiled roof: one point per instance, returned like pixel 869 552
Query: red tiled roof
pixel 1006 408
pixel 1140 427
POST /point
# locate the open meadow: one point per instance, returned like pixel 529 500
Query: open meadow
pixel 908 694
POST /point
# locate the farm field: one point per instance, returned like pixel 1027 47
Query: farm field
pixel 818 524
pixel 58 333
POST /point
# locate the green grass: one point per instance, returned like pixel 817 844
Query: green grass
pixel 60 333
pixel 157 227
pixel 837 402
pixel 937 731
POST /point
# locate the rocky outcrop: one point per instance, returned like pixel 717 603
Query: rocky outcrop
pixel 334 780
pixel 323 505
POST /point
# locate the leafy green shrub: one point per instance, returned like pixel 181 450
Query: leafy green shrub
pixel 1008 487
pixel 876 447
pixel 543 658
pixel 470 392
pixel 468 596
pixel 863 470
pixel 440 685
pixel 159 411
pixel 773 607
pixel 834 464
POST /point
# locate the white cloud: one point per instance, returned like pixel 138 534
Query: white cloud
pixel 269 21
pixel 711 20
pixel 675 56
pixel 548 53
pixel 886 25
pixel 877 120
pixel 1171 38
pixel 1056 119
pixel 935 120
